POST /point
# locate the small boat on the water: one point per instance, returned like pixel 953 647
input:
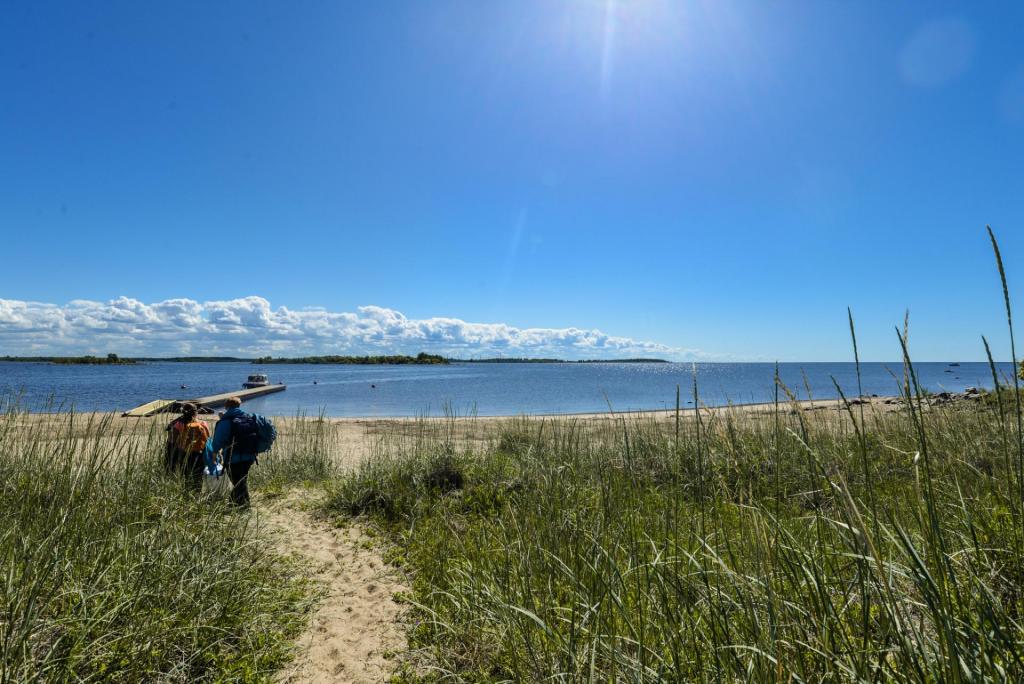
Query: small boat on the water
pixel 256 380
pixel 954 364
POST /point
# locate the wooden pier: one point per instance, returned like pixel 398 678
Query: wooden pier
pixel 149 408
pixel 216 400
pixel 210 402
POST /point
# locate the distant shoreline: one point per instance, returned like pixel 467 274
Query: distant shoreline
pixel 108 360
pixel 390 360
pixel 128 360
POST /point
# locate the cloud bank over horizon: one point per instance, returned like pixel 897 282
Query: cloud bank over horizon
pixel 250 326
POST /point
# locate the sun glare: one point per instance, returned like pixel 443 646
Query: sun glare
pixel 614 33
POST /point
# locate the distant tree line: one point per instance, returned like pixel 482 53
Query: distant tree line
pixel 88 360
pixel 420 359
pixel 194 359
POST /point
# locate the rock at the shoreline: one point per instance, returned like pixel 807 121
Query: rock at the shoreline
pixel 941 398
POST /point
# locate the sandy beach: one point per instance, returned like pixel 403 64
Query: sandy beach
pixel 352 439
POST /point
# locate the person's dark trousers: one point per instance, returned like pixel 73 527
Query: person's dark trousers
pixel 239 474
pixel 194 465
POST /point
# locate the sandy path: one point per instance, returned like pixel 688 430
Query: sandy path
pixel 355 630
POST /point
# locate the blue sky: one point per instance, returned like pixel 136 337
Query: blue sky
pixel 691 179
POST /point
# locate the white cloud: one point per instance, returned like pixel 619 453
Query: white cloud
pixel 251 326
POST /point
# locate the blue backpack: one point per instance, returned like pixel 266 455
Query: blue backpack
pixel 252 433
pixel 266 433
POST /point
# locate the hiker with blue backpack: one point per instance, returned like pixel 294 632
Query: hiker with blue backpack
pixel 240 437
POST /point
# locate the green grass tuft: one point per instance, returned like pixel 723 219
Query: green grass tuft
pixel 111 572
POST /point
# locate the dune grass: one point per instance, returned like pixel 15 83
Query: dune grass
pixel 111 572
pixel 778 548
pixel 305 454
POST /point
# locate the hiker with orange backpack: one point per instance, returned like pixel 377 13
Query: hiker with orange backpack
pixel 188 447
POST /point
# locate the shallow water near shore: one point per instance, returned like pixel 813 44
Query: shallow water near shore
pixel 462 388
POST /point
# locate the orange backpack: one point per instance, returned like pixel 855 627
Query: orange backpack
pixel 191 437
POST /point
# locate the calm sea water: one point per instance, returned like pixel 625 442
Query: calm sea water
pixel 487 389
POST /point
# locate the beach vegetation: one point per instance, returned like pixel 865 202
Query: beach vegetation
pixel 783 546
pixel 112 572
